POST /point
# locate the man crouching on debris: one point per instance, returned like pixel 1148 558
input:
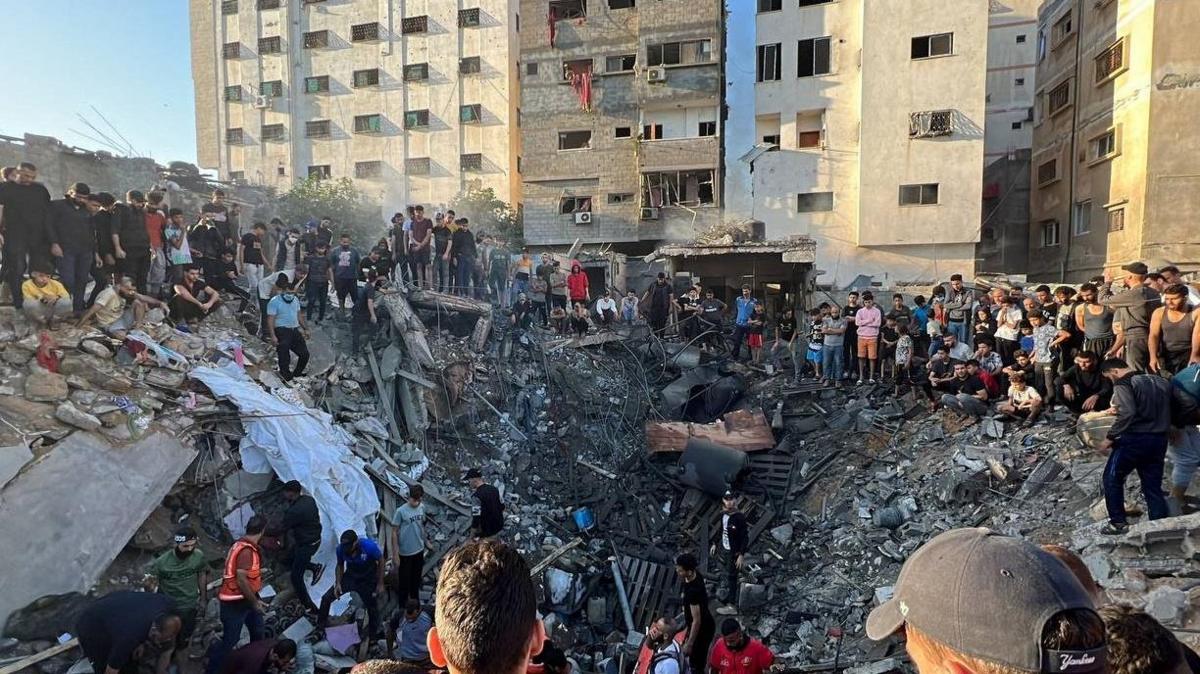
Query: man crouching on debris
pixel 119 308
pixel 971 397
pixel 121 628
pixel 486 615
pixel 948 600
pixel 359 569
pixel 1138 440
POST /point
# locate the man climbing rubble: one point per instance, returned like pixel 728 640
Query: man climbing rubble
pixel 408 544
pixel 121 628
pixel 181 574
pixel 487 510
pixel 240 605
pixel 359 569
pixel 701 626
pixel 734 541
pixel 286 326
pixel 303 521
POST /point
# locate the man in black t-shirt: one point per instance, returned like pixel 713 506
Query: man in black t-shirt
pixel 785 342
pixel 220 216
pixel 250 257
pixel 441 257
pixel 850 337
pixel 701 626
pixel 709 313
pixel 971 400
pixel 114 629
pixel 362 315
pixel 487 510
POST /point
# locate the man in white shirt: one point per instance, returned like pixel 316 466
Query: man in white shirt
pixel 606 309
pixel 957 350
pixel 661 639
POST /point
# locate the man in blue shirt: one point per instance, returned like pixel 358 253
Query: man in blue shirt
pixel 412 631
pixel 744 306
pixel 286 326
pixel 359 569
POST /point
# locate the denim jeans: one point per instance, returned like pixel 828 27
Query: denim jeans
pixel 1144 453
pixel 831 361
pixel 441 275
pixel 958 329
pixel 74 267
pixel 1185 456
pixel 466 269
pixel 234 614
pixel 316 294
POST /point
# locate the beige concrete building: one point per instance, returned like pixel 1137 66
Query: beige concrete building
pixel 621 120
pixel 414 100
pixel 878 112
pixel 1011 78
pixel 1116 163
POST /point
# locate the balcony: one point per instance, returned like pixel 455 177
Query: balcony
pixel 675 153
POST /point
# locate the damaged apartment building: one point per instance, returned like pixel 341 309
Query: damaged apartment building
pixel 621 121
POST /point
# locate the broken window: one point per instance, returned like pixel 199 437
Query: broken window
pixel 1059 97
pixel 316 39
pixel 366 78
pixel 1047 172
pixel 233 94
pixel 569 205
pixel 469 65
pixel 679 53
pixel 316 85
pixel 470 114
pixel 273 132
pixel 814 202
pixel 930 123
pixel 1062 28
pixel 273 88
pixel 368 123
pixel 623 132
pixel 574 140
pixel 679 188
pixel 1110 61
pixel 416 119
pixel 416 72
pixel 417 166
pixel 576 67
pixel 317 129
pixel 320 172
pixel 368 169
pixel 415 24
pixel 468 18
pixel 231 50
pixel 1116 219
pixel 768 69
pixel 270 45
pixel 564 10
pixel 813 57
pixel 926 46
pixel 620 64
pixel 771 139
pixel 470 162
pixel 364 32
pixel 919 195
pixel 234 136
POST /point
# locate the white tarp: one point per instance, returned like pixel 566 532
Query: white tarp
pixel 303 444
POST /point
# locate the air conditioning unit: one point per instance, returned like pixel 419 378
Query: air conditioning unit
pixel 584 218
pixel 656 74
pixel 649 213
pixel 262 102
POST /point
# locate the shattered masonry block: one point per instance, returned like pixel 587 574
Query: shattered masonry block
pixel 1045 472
pixel 884 594
pixel 1167 605
pixel 1166 529
pixel 881 667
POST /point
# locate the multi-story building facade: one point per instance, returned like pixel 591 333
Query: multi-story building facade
pixel 1116 158
pixel 878 112
pixel 414 100
pixel 620 120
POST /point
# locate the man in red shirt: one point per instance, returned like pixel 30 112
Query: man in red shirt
pixel 577 285
pixel 736 653
pixel 156 224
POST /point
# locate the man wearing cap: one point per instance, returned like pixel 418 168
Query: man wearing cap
pixel 182 574
pixel 734 538
pixel 360 568
pixel 1134 305
pixel 73 241
pixel 736 653
pixel 131 241
pixel 971 600
pixel 487 510
pixel 1137 440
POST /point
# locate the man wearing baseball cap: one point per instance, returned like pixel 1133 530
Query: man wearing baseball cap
pixel 971 601
pixel 1133 307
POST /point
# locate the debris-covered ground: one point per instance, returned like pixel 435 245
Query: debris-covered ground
pixel 610 451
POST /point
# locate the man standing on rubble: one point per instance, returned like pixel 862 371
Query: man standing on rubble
pixel 736 653
pixel 285 325
pixel 1133 308
pixel 408 544
pixel 303 520
pixel 659 296
pixel 734 540
pixel 958 308
pixel 359 569
pixel 26 206
pixel 1137 440
pixel 241 581
pixel 743 311
pixel 487 510
pixel 701 626
pixel 114 631
pixel 182 574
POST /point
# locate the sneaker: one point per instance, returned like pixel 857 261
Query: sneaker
pixel 317 573
pixel 871 381
pixel 858 383
pixel 1114 529
pixel 727 610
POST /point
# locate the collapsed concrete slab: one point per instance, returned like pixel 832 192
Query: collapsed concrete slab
pixel 69 515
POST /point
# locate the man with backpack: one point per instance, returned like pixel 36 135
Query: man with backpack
pixel 667 656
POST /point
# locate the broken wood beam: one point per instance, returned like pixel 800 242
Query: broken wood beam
pixel 431 299
pixel 587 464
pixel 38 657
pixel 554 555
pixel 410 328
pixel 430 490
pixel 385 396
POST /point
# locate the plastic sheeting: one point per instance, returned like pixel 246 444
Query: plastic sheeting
pixel 303 444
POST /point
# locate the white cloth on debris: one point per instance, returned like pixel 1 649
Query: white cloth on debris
pixel 303 444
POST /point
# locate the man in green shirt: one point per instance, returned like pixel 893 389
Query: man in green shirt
pixel 182 574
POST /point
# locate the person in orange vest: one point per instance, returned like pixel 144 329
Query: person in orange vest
pixel 241 582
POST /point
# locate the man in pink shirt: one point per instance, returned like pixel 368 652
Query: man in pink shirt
pixel 867 320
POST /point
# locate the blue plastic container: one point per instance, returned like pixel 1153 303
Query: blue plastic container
pixel 585 519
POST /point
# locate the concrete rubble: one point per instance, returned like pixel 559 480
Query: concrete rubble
pixel 843 487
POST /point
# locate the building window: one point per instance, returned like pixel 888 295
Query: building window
pixel 234 136
pixel 270 45
pixel 1116 219
pixel 813 57
pixel 1049 233
pixel 229 7
pixel 415 24
pixel 233 94
pixel 1021 38
pixel 810 3
pixel 416 72
pixel 576 67
pixel 469 65
pixel 568 10
pixel 679 188
pixel 470 162
pixel 569 205
pixel 364 32
pixel 531 69
pixel 1103 146
pixel 416 119
pixel 317 129
pixel 273 132
pixel 930 123
pixel 927 46
pixel 320 172
pixel 814 202
pixel 621 198
pixel 622 4
pixel 623 132
pixel 417 166
pixel 652 132
pixel 281 170
pixel 316 85
pixel 574 140
pixel 1083 218
pixel 1062 28
pixel 470 114
pixel 620 64
pixel 1110 62
pixel 768 62
pixel 919 195
pixel 268 4
pixel 368 169
pixel 807 139
pixel 708 129
pixel 366 78
pixel 273 88
pixel 231 50
pixel 237 176
pixel 1047 172
pixel 679 53
pixel 1016 126
pixel 316 39
pixel 368 124
pixel 468 18
pixel 770 5
pixel 1059 98
pixel 1020 81
pixel 771 139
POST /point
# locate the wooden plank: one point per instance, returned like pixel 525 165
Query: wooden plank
pixel 741 429
pixel 38 657
pixel 410 328
pixel 385 395
pixel 416 379
pixel 554 555
pixel 430 299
